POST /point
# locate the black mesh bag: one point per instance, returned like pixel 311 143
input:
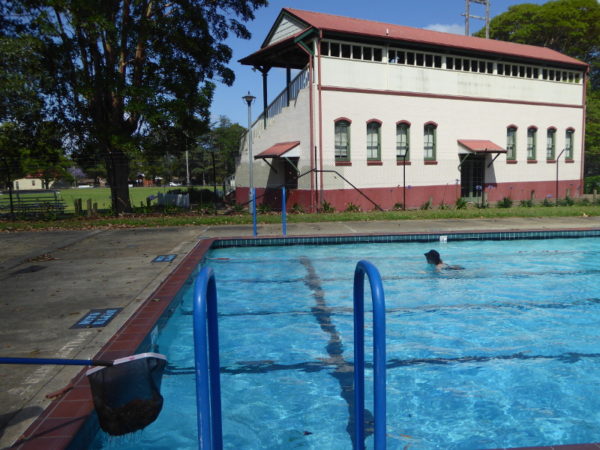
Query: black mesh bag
pixel 127 394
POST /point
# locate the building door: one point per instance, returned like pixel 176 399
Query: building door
pixel 290 173
pixel 472 176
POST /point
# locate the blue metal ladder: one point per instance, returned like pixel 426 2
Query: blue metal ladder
pixel 379 359
pixel 206 342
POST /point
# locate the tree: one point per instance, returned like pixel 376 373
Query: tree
pixel 123 69
pixel 571 27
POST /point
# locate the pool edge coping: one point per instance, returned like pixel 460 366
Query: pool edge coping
pixel 65 422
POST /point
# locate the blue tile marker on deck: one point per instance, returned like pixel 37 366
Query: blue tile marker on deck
pixel 164 258
pixel 97 318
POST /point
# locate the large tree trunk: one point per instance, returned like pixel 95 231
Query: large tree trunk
pixel 117 169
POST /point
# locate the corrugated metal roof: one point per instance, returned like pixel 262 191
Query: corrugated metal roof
pixel 481 146
pixel 278 150
pixel 329 22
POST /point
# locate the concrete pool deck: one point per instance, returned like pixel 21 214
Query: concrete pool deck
pixel 50 279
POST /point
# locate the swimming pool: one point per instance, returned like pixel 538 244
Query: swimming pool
pixel 502 354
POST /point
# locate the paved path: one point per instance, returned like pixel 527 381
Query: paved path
pixel 50 279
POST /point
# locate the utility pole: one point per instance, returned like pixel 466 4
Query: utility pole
pixel 187 169
pixel 469 16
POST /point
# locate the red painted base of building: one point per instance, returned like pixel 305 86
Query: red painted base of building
pixel 416 197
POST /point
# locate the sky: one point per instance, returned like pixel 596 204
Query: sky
pixel 438 15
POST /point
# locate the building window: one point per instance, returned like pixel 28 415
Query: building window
pixel 551 144
pixel 342 140
pixel 403 141
pixel 511 143
pixel 429 133
pixel 569 143
pixel 374 140
pixel 531 140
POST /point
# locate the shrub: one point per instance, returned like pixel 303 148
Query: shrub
pixel 264 208
pixel 398 206
pixel 297 209
pixel 351 207
pixel 426 205
pixel 326 207
pixel 547 202
pixel 567 201
pixel 526 203
pixel 461 203
pixel 506 202
pixel 591 183
pixel 443 206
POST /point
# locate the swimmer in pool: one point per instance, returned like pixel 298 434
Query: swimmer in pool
pixel 433 257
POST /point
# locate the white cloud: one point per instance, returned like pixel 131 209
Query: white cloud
pixel 452 28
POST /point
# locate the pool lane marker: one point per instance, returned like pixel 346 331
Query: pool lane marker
pixel 343 371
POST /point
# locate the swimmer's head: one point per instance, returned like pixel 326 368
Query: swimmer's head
pixel 433 257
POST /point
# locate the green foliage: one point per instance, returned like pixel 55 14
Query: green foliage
pixel 547 202
pixel 326 207
pixel 592 133
pixel 571 27
pixel 526 203
pixel 461 203
pixel 351 207
pixel 128 76
pixel 425 206
pixel 506 202
pixel 567 201
pixel 297 209
pixel 398 206
pixel 264 208
pixel 568 26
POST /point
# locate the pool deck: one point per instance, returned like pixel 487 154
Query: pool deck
pixel 50 279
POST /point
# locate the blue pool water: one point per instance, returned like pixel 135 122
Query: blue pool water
pixel 502 354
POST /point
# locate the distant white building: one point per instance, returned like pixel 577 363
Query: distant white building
pixel 373 103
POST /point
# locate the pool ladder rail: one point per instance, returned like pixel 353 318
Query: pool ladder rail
pixel 206 348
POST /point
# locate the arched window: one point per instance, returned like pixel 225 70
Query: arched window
pixel 531 143
pixel 342 140
pixel 403 141
pixel 569 142
pixel 511 143
pixel 551 144
pixel 429 141
pixel 373 140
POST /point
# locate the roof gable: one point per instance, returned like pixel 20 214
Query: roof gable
pixel 348 25
pixel 284 27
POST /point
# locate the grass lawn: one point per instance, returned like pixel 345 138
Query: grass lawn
pixel 101 196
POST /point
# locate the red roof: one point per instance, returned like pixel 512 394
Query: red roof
pixel 481 146
pixel 277 150
pixel 329 22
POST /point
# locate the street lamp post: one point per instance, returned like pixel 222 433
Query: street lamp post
pixel 249 99
pixel 403 154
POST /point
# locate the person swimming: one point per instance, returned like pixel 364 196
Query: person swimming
pixel 434 258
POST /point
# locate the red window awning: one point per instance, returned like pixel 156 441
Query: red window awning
pixel 481 146
pixel 281 150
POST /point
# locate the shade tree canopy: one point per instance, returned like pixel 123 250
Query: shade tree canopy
pixel 122 70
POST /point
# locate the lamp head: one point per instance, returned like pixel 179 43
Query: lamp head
pixel 248 98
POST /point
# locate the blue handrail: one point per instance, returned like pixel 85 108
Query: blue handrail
pixel 208 383
pixel 379 361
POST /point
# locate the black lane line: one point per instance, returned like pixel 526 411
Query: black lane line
pixel 343 371
pixel 267 366
pixel 431 309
